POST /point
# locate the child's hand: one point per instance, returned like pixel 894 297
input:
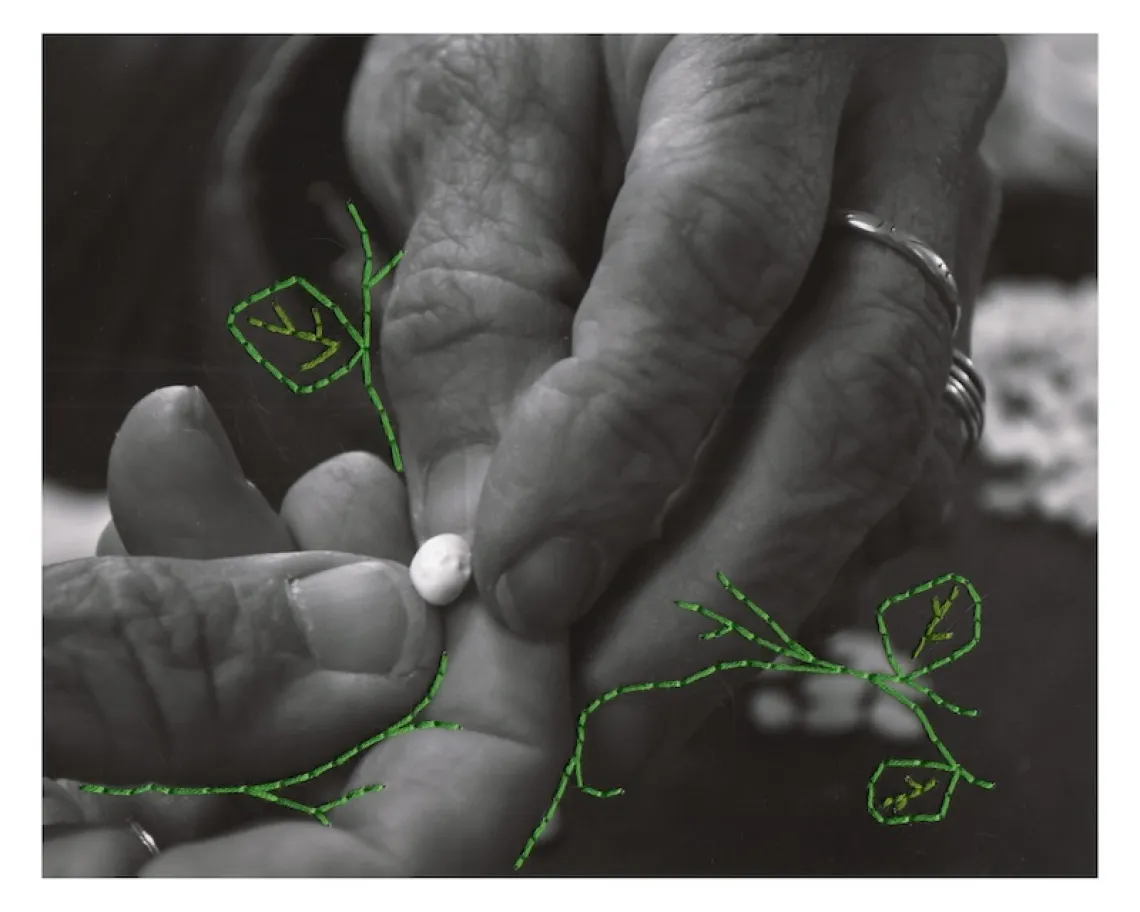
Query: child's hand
pixel 218 669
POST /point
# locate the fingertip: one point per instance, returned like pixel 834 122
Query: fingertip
pixel 159 414
pixel 175 485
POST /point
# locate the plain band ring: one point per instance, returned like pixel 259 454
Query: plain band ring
pixel 966 393
pixel 933 267
pixel 145 838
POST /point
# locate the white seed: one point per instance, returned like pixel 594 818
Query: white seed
pixel 441 569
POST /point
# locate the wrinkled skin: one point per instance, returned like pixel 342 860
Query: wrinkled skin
pixel 610 243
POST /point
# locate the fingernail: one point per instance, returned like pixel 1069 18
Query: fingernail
pixel 201 416
pixel 355 618
pixel 545 591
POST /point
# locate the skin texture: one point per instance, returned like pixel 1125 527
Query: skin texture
pixel 184 671
pixel 519 740
pixel 556 375
pixel 610 244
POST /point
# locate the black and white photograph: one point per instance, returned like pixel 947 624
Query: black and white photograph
pixel 598 455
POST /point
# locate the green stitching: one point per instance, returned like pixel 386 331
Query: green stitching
pixel 809 664
pixel 362 338
pixel 791 650
pixel 899 801
pixel 266 791
pixel 787 652
pixel 287 329
pixel 938 612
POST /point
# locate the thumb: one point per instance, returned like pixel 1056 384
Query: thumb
pixel 721 208
pixel 226 672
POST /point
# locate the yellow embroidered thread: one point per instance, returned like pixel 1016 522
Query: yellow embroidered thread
pixel 939 611
pixel 362 337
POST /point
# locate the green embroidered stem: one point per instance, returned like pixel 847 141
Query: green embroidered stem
pixel 362 337
pixel 787 651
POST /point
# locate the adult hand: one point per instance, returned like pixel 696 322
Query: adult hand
pixel 213 669
pixel 501 238
pixel 608 247
pixel 455 801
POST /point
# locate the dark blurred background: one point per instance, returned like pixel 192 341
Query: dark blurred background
pixel 136 135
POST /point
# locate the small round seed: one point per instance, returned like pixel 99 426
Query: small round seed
pixel 441 569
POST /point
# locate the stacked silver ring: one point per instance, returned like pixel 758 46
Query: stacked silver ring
pixel 964 390
pixel 967 393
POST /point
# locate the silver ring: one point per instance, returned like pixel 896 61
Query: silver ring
pixel 966 393
pixel 145 838
pixel 933 267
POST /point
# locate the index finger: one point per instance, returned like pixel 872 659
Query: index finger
pixel 722 207
pixel 481 302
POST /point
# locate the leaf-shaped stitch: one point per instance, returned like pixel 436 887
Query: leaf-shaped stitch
pixel 896 799
pixel 918 618
pixel 314 346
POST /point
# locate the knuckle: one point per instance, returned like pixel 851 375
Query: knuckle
pixel 463 86
pixel 449 92
pixel 458 287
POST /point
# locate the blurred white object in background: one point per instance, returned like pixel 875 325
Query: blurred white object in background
pixel 771 710
pixel 73 522
pixel 1045 128
pixel 835 704
pixel 1035 343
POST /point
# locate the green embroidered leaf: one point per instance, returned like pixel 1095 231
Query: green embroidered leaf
pixel 315 349
pixel 895 797
pixel 923 616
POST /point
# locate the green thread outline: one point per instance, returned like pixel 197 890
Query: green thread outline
pixel 787 651
pixel 809 664
pixel 267 791
pixel 362 337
